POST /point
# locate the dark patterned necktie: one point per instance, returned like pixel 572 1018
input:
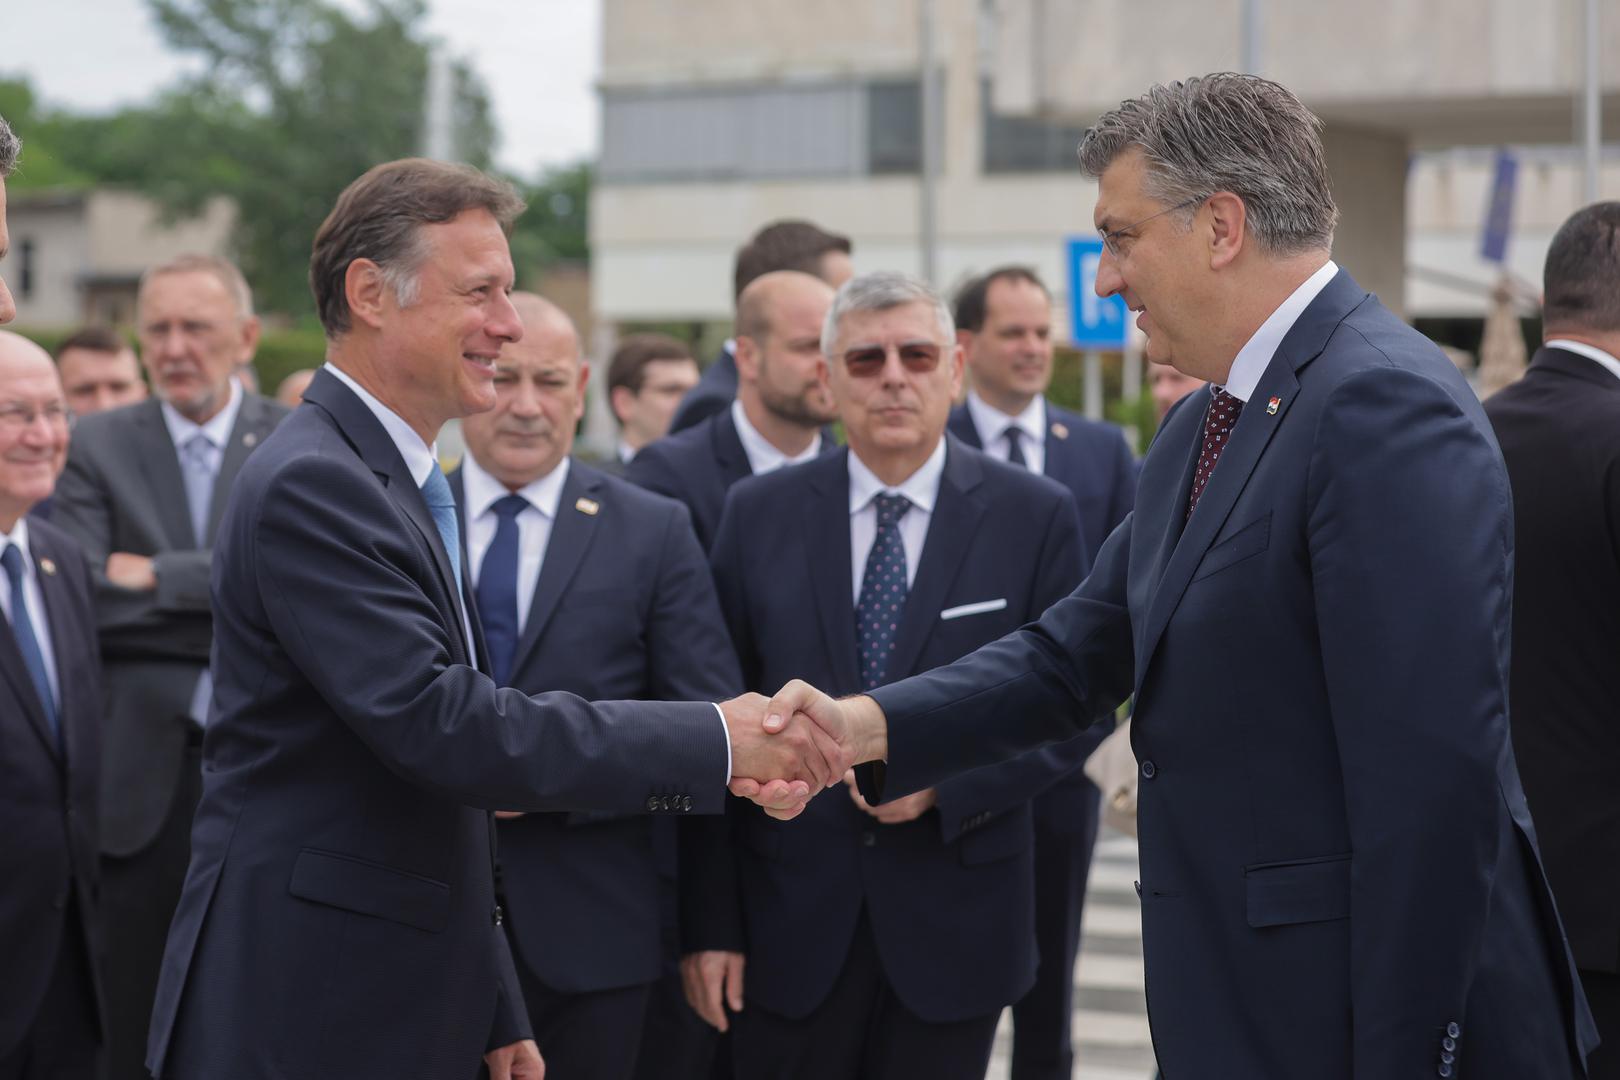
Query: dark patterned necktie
pixel 1015 447
pixel 883 592
pixel 1219 421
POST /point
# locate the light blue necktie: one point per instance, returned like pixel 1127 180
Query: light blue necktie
pixel 196 456
pixel 22 629
pixel 442 505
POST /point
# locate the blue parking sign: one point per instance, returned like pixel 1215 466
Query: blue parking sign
pixel 1094 322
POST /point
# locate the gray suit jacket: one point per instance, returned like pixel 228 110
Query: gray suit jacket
pixel 122 491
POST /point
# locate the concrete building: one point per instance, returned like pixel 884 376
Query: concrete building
pixel 76 257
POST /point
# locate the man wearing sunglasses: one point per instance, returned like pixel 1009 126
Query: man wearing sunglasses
pixel 880 941
pixel 1311 605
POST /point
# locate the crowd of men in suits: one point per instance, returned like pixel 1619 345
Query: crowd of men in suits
pixel 165 919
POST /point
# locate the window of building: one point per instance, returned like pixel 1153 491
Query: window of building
pixel 1026 144
pixel 25 273
pixel 894 127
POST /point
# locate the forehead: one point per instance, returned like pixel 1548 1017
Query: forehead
pixel 78 357
pixel 1119 192
pixel 916 321
pixel 26 375
pixel 669 367
pixel 547 343
pixel 1016 298
pixel 183 292
pixel 471 244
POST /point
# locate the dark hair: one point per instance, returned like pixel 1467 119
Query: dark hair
pixel 1582 276
pixel 379 217
pixel 973 300
pixel 784 245
pixel 628 368
pixel 94 339
pixel 10 146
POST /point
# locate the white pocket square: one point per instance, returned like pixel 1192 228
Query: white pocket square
pixel 974 609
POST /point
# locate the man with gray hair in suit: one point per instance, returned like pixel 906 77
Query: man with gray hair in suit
pixel 142 493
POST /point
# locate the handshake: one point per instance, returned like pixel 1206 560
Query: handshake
pixel 787 748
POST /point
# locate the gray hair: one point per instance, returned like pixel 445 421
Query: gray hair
pixel 222 270
pixel 881 291
pixel 10 146
pixel 1227 132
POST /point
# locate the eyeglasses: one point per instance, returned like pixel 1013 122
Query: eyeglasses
pixel 1113 238
pixel 919 357
pixel 16 417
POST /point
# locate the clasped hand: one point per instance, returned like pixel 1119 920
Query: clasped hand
pixel 798 743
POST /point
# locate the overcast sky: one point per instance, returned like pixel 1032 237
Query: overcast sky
pixel 539 58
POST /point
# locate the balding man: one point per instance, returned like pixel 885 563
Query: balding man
pixel 50 1025
pixel 588 584
pixel 143 493
pixel 782 402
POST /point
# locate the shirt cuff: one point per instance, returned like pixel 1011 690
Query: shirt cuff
pixel 725 730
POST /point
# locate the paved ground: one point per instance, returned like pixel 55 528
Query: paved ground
pixel 1110 1013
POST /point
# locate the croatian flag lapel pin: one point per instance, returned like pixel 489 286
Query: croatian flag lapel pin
pixel 1273 405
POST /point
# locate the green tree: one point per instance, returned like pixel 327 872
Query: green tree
pixel 555 228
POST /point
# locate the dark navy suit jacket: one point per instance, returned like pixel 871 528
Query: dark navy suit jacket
pixel 1339 875
pixel 624 608
pixel 48 787
pixel 696 467
pixel 950 896
pixel 713 393
pixel 339 915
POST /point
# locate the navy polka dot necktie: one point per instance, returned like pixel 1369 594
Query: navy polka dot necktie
pixel 1219 421
pixel 883 592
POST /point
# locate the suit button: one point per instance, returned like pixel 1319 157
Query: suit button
pixel 652 804
pixel 1444 1070
pixel 1447 1059
pixel 498 915
pixel 1149 770
pixel 868 838
pixel 686 804
pixel 664 802
pixel 1453 1031
pixel 1448 1043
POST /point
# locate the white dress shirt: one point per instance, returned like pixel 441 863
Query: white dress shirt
pixel 921 487
pixel 482 491
pixel 762 456
pixel 1253 359
pixel 1591 352
pixel 419 457
pixel 33 600
pixel 992 425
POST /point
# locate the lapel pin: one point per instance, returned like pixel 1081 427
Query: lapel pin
pixel 48 566
pixel 1060 429
pixel 1273 405
pixel 587 506
pixel 250 440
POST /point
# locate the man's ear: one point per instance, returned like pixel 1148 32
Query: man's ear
pixel 747 356
pixel 581 382
pixel 367 292
pixel 1228 228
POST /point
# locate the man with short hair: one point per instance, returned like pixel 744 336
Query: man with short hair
pixel 99 371
pixel 646 379
pixel 143 493
pixel 1311 605
pixel 1004 325
pixel 880 941
pixel 588 584
pixel 1167 386
pixel 781 245
pixel 777 416
pixel 1560 432
pixel 339 917
pixel 51 1027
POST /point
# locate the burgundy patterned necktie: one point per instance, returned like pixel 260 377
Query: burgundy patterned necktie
pixel 1219 421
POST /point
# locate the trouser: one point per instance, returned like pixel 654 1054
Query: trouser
pixel 64 1041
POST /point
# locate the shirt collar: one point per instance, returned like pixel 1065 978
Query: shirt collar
pixel 19 536
pixel 217 429
pixel 483 490
pixel 992 423
pixel 1591 352
pixel 1255 356
pixel 921 487
pixel 762 456
pixel 420 458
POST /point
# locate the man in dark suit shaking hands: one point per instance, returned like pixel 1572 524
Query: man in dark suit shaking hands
pixel 1311 604
pixel 339 916
pixel 585 583
pixel 1560 432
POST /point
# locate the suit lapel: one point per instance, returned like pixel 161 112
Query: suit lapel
pixel 376 448
pixel 825 516
pixel 951 528
pixel 729 452
pixel 67 637
pixel 570 538
pixel 962 426
pixel 252 426
pixel 1255 428
pixel 22 686
pixel 161 465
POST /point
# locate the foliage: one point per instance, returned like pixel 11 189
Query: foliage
pixel 555 227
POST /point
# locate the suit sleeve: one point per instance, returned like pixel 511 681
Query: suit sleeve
pixel 337 569
pixel 171 622
pixel 511 1023
pixel 697 407
pixel 1044 683
pixel 1126 471
pixel 1409 532
pixel 651 469
pixel 710 893
pixel 982 793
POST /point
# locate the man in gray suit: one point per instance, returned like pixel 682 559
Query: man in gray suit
pixel 142 493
